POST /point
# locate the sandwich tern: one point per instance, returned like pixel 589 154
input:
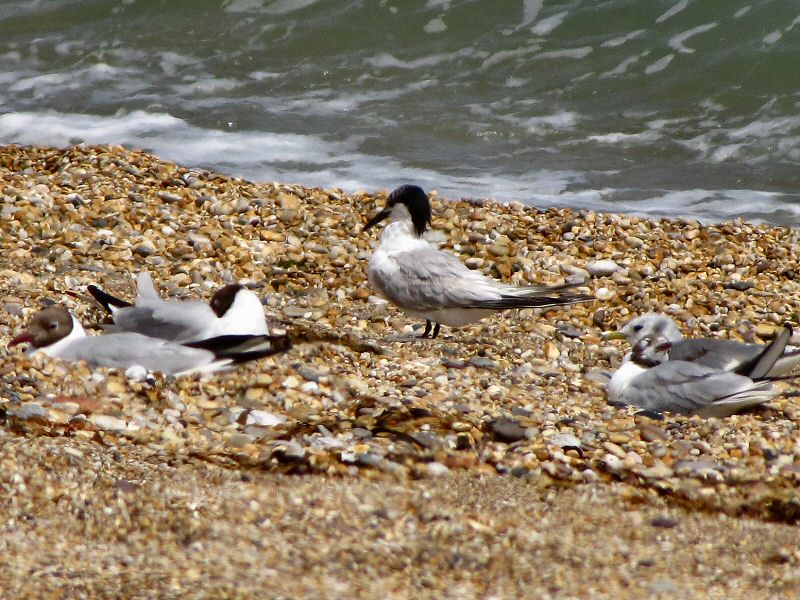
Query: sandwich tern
pixel 436 286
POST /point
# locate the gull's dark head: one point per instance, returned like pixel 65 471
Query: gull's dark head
pixel 223 299
pixel 407 201
pixel 47 327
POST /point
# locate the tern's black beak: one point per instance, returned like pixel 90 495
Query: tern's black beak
pixel 378 218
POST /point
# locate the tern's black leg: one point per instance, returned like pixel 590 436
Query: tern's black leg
pixel 427 329
pixel 435 331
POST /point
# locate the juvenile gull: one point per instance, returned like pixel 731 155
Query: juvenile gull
pixel 57 333
pixel 728 355
pixel 434 285
pixel 233 310
pixel 653 381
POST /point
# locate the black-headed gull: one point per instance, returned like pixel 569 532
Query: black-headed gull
pixel 653 381
pixel 233 310
pixel 57 333
pixel 728 355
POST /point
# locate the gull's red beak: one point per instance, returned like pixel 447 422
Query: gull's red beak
pixel 21 339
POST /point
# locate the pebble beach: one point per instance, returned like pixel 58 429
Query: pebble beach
pixel 365 462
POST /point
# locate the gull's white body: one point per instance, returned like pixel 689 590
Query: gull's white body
pixel 421 280
pixel 684 387
pixel 184 321
pixel 126 349
pixel 716 353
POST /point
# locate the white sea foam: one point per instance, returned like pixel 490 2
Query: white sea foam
pixel 548 24
pixel 618 41
pixel 575 53
pixel 262 156
pixel 530 10
pixel 629 139
pixel 659 65
pixel 621 68
pixel 385 60
pixel 502 55
pixel 547 123
pixel 436 25
pixel 281 7
pixel 677 41
pixel 673 11
pixel 206 87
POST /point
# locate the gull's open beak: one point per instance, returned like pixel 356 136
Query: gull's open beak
pixel 377 218
pixel 21 339
pixel 612 335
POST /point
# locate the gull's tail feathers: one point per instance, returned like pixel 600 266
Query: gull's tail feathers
pixel 109 302
pixel 757 394
pixel 243 348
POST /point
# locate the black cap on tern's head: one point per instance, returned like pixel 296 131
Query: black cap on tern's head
pixel 47 327
pixel 223 299
pixel 415 201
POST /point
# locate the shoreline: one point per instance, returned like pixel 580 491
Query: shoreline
pixel 508 395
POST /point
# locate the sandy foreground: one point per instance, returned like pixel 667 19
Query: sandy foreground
pixel 364 462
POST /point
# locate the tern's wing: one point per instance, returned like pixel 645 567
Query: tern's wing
pixel 174 321
pixel 684 387
pixel 430 279
pixel 125 349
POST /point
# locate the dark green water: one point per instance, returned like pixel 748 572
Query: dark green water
pixel 656 107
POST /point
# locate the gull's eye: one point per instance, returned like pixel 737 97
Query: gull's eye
pixel 52 325
pixel 637 328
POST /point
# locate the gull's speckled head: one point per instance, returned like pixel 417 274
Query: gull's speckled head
pixel 651 325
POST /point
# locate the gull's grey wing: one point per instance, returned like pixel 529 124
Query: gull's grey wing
pixel 772 360
pixel 125 349
pixel 726 355
pixel 174 321
pixel 430 279
pixel 786 363
pixel 684 387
